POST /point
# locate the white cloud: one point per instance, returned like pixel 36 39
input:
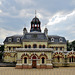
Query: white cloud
pixel 0 2
pixel 24 13
pixel 58 17
pixel 25 2
pixel 4 33
pixel 18 13
pixel 39 15
pixel 73 2
pixel 0 11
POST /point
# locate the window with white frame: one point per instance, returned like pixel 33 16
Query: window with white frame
pixel 9 39
pixel 60 40
pixel 52 39
pixel 18 39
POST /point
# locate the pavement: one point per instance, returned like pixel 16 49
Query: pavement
pixel 54 71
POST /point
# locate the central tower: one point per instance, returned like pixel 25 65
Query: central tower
pixel 35 25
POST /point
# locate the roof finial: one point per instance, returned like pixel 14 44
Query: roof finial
pixel 35 13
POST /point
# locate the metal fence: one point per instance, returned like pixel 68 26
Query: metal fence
pixel 55 71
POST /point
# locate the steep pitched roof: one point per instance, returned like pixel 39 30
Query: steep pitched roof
pixel 56 39
pixel 35 36
pixel 14 38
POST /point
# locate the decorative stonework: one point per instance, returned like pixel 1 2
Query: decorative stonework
pixel 34 55
pixel 43 55
pixel 7 54
pixel 24 55
pixel 55 55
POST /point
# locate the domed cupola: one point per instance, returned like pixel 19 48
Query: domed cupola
pixel 35 25
pixel 35 21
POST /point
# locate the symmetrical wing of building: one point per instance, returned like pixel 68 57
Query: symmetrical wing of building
pixel 35 49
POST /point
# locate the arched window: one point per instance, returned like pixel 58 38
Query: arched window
pixel 52 47
pixel 43 60
pixel 60 40
pixel 60 48
pixel 43 46
pixel 13 48
pixel 58 59
pixel 29 46
pixel 56 48
pixel 25 60
pixel 9 48
pixel 72 58
pixel 25 46
pixel 52 39
pixel 34 46
pixel 69 59
pixel 39 46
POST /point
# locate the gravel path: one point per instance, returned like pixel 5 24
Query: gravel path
pixel 55 71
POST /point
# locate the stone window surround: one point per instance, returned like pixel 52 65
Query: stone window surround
pixel 52 39
pixel 60 40
pixel 9 39
pixel 18 39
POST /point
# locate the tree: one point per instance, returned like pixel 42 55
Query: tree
pixel 68 46
pixel 1 51
pixel 73 45
pixel 2 48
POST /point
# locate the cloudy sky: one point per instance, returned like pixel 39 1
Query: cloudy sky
pixel 57 15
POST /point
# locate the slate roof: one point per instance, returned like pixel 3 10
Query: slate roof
pixel 56 39
pixel 28 36
pixel 14 38
pixel 35 36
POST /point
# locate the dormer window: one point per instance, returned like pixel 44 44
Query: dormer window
pixel 9 39
pixel 18 39
pixel 52 39
pixel 60 40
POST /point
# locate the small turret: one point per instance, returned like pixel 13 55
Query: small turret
pixel 24 31
pixel 46 31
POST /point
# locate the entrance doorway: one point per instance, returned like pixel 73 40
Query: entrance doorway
pixel 34 62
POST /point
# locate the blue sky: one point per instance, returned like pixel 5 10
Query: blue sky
pixel 57 15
